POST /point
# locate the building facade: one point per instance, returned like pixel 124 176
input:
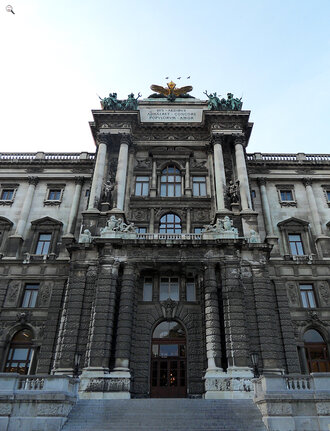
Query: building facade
pixel 170 263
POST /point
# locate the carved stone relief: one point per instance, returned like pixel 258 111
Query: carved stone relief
pixel 143 163
pixel 45 294
pixel 12 293
pixel 292 294
pixel 140 214
pixel 324 292
pixel 200 215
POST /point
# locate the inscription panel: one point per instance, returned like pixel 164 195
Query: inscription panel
pixel 171 115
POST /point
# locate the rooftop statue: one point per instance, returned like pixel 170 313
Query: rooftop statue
pixel 171 93
pixel 112 103
pixel 217 104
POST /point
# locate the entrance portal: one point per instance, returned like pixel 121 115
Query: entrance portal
pixel 168 361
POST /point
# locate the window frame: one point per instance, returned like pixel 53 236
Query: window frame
pixel 176 183
pixel 141 183
pixel 54 187
pixel 42 226
pixel 21 345
pixel 199 183
pixel 295 226
pixel 286 188
pixel 28 289
pixel 3 188
pixel 326 191
pixel 175 297
pixel 300 242
pixel 149 283
pixel 169 223
pixel 43 242
pixel 305 297
pixel 191 281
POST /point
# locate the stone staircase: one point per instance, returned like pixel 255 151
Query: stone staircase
pixel 164 415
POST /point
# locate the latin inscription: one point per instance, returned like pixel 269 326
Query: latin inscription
pixel 167 115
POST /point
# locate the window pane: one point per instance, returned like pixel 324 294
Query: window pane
pixel 196 189
pixel 304 300
pixel 54 194
pixel 174 289
pixel 20 354
pixel 328 195
pixel 147 289
pixel 313 336
pixel 197 230
pixel 163 190
pixel 163 291
pixel 166 350
pixel 190 290
pixel 178 190
pixel 170 190
pixel 311 299
pixel 203 189
pixel 300 250
pixel 145 189
pixel 7 194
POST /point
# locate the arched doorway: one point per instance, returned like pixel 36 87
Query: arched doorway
pixel 168 377
pixel 20 353
pixel 316 352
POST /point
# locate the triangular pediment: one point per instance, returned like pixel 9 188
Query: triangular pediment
pixel 293 221
pixel 46 221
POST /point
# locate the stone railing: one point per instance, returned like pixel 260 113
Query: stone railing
pixel 169 236
pixel 294 402
pixel 47 156
pixel 36 402
pixel 299 157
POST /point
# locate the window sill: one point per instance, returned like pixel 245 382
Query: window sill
pixel 6 202
pixel 52 203
pixel 288 203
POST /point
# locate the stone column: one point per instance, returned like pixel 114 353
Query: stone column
pixel 219 173
pixel 152 220
pixel 213 344
pixel 242 175
pixel 71 325
pixel 98 176
pixel 188 191
pixel 313 207
pixel 102 320
pixel 287 330
pixel 24 214
pixel 125 319
pixel 267 320
pixel 74 206
pixel 188 225
pixel 265 207
pixel 153 188
pixel 122 172
pixel 235 318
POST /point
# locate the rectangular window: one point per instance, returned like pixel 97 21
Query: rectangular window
pixel 253 194
pixel 169 288
pixel 30 295
pixel 190 289
pixel 54 194
pixel 141 229
pixel 296 245
pixel 147 289
pixel 199 186
pixel 307 296
pixel 142 186
pixel 198 229
pixel 43 243
pixel 328 195
pixel 7 194
pixel 286 195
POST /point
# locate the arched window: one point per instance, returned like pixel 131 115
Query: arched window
pixel 170 223
pixel 170 181
pixel 316 352
pixel 20 353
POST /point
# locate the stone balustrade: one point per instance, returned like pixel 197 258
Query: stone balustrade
pixel 294 402
pixel 36 402
pixel 299 157
pixel 47 156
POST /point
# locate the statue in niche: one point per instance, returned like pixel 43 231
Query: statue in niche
pixel 107 191
pixel 232 192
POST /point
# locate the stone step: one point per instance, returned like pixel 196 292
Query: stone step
pixel 164 415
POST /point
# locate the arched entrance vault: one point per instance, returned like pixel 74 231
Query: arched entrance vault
pixel 168 373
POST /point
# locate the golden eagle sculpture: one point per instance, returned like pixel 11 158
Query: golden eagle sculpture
pixel 171 92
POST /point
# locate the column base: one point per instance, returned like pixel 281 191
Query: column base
pixel 236 383
pixel 99 384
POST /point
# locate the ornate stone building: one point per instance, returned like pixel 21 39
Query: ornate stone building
pixel 170 263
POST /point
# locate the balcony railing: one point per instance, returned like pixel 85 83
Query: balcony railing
pixel 299 157
pixel 169 236
pixel 47 156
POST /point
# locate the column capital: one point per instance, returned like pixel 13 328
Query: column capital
pixel 262 181
pixel 125 139
pixel 239 140
pixel 101 139
pixel 79 180
pixel 217 139
pixel 33 180
pixel 307 182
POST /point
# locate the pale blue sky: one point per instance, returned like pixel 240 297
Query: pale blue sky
pixel 56 55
